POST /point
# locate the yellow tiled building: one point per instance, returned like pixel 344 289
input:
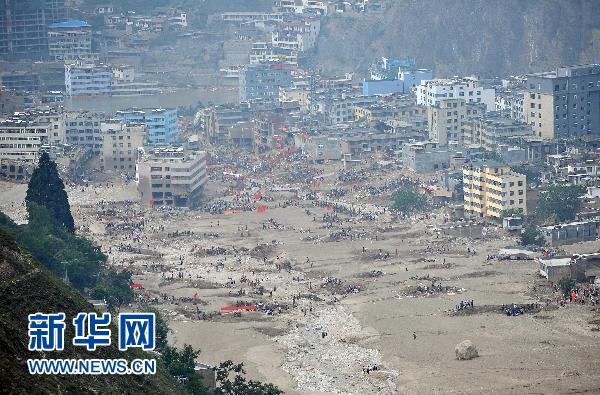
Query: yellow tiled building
pixel 491 189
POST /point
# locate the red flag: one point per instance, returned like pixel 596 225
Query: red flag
pixel 261 209
pixel 151 202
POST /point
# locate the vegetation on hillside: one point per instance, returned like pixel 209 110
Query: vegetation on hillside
pixel 26 288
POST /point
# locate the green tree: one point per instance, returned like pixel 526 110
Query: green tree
pixel 162 329
pixel 56 248
pixel 533 174
pixel 227 385
pixel 409 200
pixel 493 155
pixel 566 284
pixel 47 189
pixel 512 212
pixel 560 202
pixel 182 364
pixel 532 236
pixel 114 287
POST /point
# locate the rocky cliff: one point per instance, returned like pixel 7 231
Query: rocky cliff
pixel 488 38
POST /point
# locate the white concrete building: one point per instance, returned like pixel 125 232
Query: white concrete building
pixel 429 92
pixel 171 176
pixel 88 80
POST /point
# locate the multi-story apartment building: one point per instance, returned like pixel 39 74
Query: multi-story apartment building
pixel 333 108
pixel 298 34
pixel 401 110
pixel 23 26
pixel 429 92
pixel 262 81
pixel 120 145
pixel 510 104
pixel 82 128
pixel 301 6
pixel 425 156
pixel 368 142
pixel 69 40
pixel 21 138
pixel 489 129
pixel 564 103
pixel 171 176
pixel 262 52
pixel 219 119
pixel 88 80
pixel 245 17
pixel 490 189
pixel 300 95
pixel 446 119
pixel 55 118
pixel 162 123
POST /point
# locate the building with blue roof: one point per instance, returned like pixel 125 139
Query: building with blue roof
pixel 70 40
pixel 394 76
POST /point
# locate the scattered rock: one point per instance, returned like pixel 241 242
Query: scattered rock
pixel 466 350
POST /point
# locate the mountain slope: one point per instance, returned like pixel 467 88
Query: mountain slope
pixel 488 38
pixel 27 287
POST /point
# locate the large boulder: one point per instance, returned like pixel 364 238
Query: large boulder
pixel 466 350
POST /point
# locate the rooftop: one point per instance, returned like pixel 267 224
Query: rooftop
pixel 70 24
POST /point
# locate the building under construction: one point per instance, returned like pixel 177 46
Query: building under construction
pixel 24 26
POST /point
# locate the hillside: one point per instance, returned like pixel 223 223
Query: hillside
pixel 27 287
pixel 489 38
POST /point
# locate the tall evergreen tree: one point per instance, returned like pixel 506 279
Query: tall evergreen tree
pixel 47 189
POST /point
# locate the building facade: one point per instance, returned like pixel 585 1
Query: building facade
pixel 22 137
pixel 430 92
pixel 88 80
pixel 69 40
pixel 120 144
pixel 218 120
pixel 510 104
pixel 569 233
pixel 24 25
pixel 564 103
pixel 490 129
pixel 425 157
pixel 446 119
pixel 162 123
pixel 171 176
pixel 82 128
pixel 262 81
pixel 491 189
